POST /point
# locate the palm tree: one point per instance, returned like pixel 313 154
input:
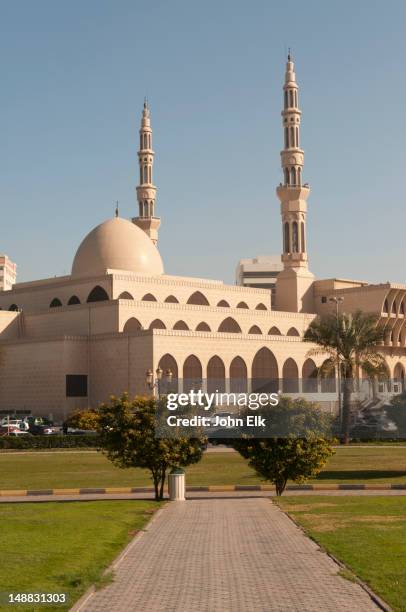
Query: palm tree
pixel 350 341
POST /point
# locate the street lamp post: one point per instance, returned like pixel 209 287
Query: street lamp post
pixel 338 300
pixel 155 385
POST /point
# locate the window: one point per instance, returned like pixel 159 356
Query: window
pixel 55 303
pixel 198 298
pixel 76 385
pixel 98 294
pixel 73 300
pixel 286 238
pixel 295 237
pixel 302 237
pixel 149 298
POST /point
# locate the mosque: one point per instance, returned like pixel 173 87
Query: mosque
pixel 119 323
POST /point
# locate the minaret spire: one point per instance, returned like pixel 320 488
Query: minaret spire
pixel 146 190
pixel 293 295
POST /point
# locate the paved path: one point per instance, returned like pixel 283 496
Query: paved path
pixel 221 555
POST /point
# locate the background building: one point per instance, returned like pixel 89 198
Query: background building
pixel 260 272
pixel 8 273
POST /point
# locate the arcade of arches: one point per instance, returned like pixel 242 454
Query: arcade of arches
pixel 264 377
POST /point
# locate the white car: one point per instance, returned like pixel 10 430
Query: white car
pixel 5 422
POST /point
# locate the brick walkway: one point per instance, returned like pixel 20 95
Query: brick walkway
pixel 226 555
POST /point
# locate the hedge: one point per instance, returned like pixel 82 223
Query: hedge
pixel 68 441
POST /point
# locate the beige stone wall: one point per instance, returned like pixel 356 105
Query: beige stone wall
pixel 32 375
pixel 38 295
pixel 9 325
pixel 183 287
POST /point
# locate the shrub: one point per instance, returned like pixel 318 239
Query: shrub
pixel 28 442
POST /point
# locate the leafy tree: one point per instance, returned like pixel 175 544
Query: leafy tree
pixel 128 438
pixel 352 341
pixel 396 411
pixel 300 454
pixel 83 419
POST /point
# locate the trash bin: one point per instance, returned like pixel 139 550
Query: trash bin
pixel 176 484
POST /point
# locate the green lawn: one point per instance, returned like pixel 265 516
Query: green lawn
pixel 368 534
pixel 64 547
pixel 92 469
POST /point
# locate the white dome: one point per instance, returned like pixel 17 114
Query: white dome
pixel 120 245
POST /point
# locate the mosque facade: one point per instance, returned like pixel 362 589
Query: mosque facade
pixel 72 341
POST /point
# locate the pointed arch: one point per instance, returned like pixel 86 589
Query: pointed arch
pixel 132 325
pixel 229 326
pixel 293 176
pixel 290 376
pixel 223 304
pixel 302 237
pixel 274 331
pixel 309 376
pixel 192 374
pixel 216 375
pixel 255 330
pixel 399 376
pixel 97 294
pixel 157 324
pixel 180 325
pixel 402 308
pixel 73 300
pixel 198 299
pixel 203 327
pixel 394 307
pixel 265 372
pixel 56 303
pixel 148 297
pixel 242 305
pixel 386 306
pixel 125 296
pixel 327 376
pixel 261 306
pixel 293 332
pixel 171 299
pixel 14 308
pixel 238 375
pixel 168 363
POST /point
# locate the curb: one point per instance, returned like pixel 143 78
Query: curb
pixel 203 489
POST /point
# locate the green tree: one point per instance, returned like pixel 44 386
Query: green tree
pixel 128 438
pixel 352 341
pixel 396 411
pixel 83 419
pixel 300 454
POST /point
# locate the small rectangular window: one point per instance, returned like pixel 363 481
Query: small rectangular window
pixel 76 385
pixel 324 300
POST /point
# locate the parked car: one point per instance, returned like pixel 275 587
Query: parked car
pixel 6 431
pixel 18 433
pixel 10 421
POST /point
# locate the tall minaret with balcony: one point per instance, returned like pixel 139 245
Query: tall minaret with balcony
pixel 294 290
pixel 146 190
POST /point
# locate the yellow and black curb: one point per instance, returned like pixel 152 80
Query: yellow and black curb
pixel 208 489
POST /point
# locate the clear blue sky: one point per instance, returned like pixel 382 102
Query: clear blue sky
pixel 74 76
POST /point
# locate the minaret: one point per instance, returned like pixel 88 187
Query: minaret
pixel 294 291
pixel 146 190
